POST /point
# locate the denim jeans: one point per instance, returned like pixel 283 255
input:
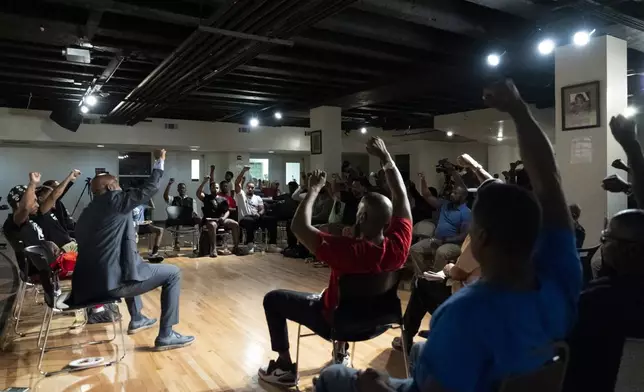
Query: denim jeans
pixel 339 378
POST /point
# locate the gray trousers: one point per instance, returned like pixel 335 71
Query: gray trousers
pixel 339 378
pixel 166 276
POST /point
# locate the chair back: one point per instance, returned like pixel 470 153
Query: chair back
pixel 585 256
pixel 368 300
pixel 630 376
pixel 548 378
pixel 41 257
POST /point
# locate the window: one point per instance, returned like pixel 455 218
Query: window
pixel 135 163
pixel 292 171
pixel 194 170
pixel 258 169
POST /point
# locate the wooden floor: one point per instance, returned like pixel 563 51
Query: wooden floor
pixel 221 304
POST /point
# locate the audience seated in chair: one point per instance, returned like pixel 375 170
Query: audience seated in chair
pixel 252 214
pixel 109 264
pixel 611 308
pixel 376 249
pixel 453 224
pixel 144 227
pixel 506 322
pixel 181 200
pixel 216 215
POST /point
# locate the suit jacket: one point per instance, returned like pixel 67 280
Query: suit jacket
pixel 107 253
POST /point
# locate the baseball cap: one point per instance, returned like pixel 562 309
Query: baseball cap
pixel 15 194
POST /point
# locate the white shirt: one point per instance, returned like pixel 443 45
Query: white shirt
pixel 247 206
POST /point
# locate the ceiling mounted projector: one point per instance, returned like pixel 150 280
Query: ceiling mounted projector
pixel 77 55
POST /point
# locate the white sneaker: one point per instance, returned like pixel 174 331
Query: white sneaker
pixel 250 249
pixel 272 248
pixel 342 359
pixel 274 374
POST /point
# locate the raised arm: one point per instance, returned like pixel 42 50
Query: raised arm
pixel 58 192
pixel 456 176
pixel 624 131
pixel 200 194
pixel 71 183
pixel 166 192
pixel 240 179
pixel 212 174
pixel 400 202
pixel 427 195
pixel 28 201
pixel 126 201
pixel 466 160
pixel 536 153
pixel 301 223
pixel 299 193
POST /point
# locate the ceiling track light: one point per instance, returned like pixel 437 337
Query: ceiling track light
pixel 363 130
pixel 449 133
pixel 84 109
pixel 546 47
pixel 278 115
pixel 582 37
pixel 254 122
pixel 90 100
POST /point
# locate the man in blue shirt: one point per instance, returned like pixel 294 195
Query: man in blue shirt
pixel 453 223
pixel 526 299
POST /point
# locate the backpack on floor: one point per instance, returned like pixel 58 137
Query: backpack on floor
pixel 204 244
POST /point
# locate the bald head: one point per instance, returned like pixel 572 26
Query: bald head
pixel 104 182
pixel 623 245
pixel 374 213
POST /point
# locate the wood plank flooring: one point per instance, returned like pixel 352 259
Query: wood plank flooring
pixel 221 304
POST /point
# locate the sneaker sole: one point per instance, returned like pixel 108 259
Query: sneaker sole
pixel 272 380
pixel 173 346
pixel 133 331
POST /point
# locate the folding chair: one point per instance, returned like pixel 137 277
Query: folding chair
pixel 369 306
pixel 181 222
pixel 585 256
pixel 548 378
pixel 41 259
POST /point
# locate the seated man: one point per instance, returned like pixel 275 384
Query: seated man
pixel 506 322
pixel 146 227
pixel 109 264
pixel 611 308
pixel 224 191
pixel 580 232
pixel 59 209
pixel 250 209
pixel 181 200
pixel 215 214
pixel 383 242
pixel 453 224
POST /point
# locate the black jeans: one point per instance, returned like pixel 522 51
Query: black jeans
pixel 425 297
pixel 251 223
pixel 302 308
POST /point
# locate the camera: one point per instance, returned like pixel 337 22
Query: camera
pixel 444 164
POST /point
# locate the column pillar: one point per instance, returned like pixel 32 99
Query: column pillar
pixel 328 119
pixel 584 156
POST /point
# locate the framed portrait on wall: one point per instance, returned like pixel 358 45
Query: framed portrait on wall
pixel 316 142
pixel 580 106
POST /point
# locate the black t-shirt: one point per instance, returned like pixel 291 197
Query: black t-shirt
pixel 52 229
pixel 186 202
pixel 30 233
pixel 214 207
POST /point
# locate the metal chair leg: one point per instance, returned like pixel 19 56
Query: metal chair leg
pixel 404 350
pixel 19 300
pixel 297 355
pixel 353 352
pixel 44 345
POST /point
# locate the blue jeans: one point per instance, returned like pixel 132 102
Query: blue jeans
pixel 338 378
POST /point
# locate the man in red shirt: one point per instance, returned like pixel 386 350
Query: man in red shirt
pixel 382 241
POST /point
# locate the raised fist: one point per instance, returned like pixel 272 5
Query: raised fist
pixel 74 174
pixel 34 177
pixel 246 169
pixel 376 147
pixel 206 179
pixel 159 154
pixel 212 167
pixel 317 180
pixel 171 181
pixel 623 129
pixel 503 96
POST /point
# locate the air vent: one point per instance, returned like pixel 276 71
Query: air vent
pixel 171 126
pixel 89 120
pixel 244 129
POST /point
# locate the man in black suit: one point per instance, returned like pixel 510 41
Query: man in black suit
pixel 109 264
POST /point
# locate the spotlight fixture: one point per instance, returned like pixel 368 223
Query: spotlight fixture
pixel 254 122
pixel 90 100
pixel 581 38
pixel 493 60
pixel 449 133
pixel 84 109
pixel 546 46
pixel 278 115
pixel 630 111
pixel 363 130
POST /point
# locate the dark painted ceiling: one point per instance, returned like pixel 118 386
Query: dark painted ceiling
pixel 388 63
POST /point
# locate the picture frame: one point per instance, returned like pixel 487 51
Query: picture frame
pixel 580 106
pixel 316 142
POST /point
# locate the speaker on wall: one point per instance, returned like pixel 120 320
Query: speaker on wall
pixel 69 119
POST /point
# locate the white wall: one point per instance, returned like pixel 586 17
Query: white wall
pixel 53 164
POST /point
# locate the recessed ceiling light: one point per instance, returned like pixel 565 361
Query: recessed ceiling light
pixel 271 152
pixel 493 60
pixel 278 115
pixel 363 130
pixel 193 149
pixel 449 133
pixel 100 146
pixel 546 46
pixel 254 122
pixel 84 109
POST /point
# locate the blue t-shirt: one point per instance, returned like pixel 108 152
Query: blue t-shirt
pixel 450 221
pixel 483 334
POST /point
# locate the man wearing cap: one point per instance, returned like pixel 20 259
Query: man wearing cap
pixel 19 227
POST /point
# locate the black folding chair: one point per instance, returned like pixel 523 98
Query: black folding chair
pixel 41 258
pixel 367 308
pixel 548 378
pixel 180 222
pixel 586 256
